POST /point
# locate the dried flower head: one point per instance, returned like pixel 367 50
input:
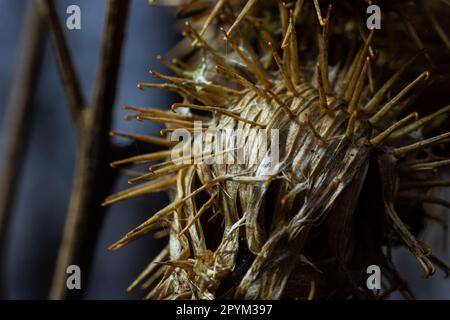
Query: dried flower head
pixel 348 185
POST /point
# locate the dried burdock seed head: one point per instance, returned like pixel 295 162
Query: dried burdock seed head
pixel 306 223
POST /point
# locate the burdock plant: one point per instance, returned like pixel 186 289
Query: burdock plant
pixel 361 143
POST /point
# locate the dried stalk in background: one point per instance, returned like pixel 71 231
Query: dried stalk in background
pixel 69 77
pixel 17 121
pixel 93 176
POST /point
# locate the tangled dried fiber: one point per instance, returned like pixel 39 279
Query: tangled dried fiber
pixel 363 137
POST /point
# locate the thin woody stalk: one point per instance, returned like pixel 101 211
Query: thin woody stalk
pixel 17 120
pixel 93 176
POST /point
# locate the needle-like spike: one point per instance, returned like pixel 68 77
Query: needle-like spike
pixel 190 159
pixel 323 104
pixel 313 129
pixel 181 123
pixel 356 70
pixel 142 158
pixel 351 125
pixel 347 71
pixel 418 124
pixel 182 83
pixel 150 268
pixel 170 65
pixel 217 110
pixel 290 43
pixel 179 88
pixel 143 138
pixel 286 33
pixel 165 131
pixel 283 106
pixel 386 133
pixel 161 76
pixel 161 86
pixel 187 92
pixel 354 102
pixel 150 223
pixel 202 210
pixel 422 166
pixel 319 13
pixel 402 151
pixel 214 13
pixel 374 103
pixel 403 105
pixel 246 83
pixel 165 114
pixel 376 118
pixel 248 6
pixel 416 248
pixel 257 69
pixel 284 20
pixel 295 67
pixel 155 276
pixel 298 189
pixel 286 77
pixel 298 8
pixel 198 39
pixel 168 169
pixel 216 88
pixel 324 51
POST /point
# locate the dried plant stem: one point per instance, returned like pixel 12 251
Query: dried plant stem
pixel 69 77
pixel 17 119
pixel 93 177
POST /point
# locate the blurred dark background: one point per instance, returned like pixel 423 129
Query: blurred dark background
pixel 39 212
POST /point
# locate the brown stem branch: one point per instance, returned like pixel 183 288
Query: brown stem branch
pixel 69 77
pixel 93 176
pixel 17 119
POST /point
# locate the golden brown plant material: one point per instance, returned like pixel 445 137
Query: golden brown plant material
pixel 362 122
